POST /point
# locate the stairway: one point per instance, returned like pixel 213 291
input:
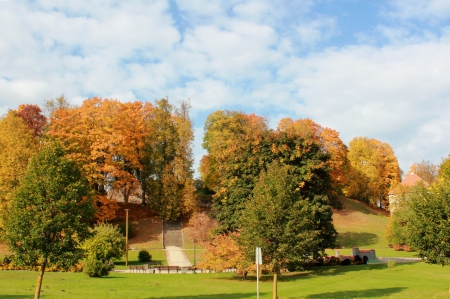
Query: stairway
pixel 173 233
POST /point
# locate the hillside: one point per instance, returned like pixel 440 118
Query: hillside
pixel 363 226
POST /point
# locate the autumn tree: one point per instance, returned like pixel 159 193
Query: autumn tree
pixel 170 185
pixel 18 144
pixel 49 214
pixel 107 138
pixel 425 170
pixel 330 142
pixel 202 226
pixel 223 252
pixel 86 134
pixel 286 224
pixel 33 118
pixel 374 170
pixel 53 105
pixel 241 146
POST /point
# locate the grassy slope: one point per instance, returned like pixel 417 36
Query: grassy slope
pixel 364 227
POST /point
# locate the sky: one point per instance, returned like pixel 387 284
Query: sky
pixel 373 68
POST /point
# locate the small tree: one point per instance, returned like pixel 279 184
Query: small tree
pixel 287 226
pixel 48 216
pixel 106 245
pixel 223 252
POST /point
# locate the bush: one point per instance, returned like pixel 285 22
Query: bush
pixel 105 245
pixel 295 266
pixel 391 264
pixel 144 256
pixel 358 260
pixel 122 229
pixel 346 262
pixel 8 259
pixel 96 268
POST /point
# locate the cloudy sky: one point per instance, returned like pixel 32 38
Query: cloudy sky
pixel 371 68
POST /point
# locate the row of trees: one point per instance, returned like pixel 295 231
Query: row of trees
pixel 124 149
pixel 275 188
pixel 366 170
pixel 59 175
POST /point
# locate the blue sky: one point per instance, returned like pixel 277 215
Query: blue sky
pixel 373 68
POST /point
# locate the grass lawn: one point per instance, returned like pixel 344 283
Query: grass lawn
pixel 413 280
pixel 364 227
pixel 157 255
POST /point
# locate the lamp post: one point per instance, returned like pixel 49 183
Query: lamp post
pixel 195 241
pixel 126 238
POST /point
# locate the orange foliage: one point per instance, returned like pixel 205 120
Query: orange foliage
pixel 223 252
pixel 202 225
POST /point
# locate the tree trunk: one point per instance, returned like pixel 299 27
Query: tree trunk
pixel 275 289
pixel 144 190
pixel 37 292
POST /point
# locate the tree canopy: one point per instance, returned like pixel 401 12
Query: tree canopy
pixel 374 170
pixel 49 214
pixel 286 224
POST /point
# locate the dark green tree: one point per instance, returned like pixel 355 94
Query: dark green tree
pixel 49 214
pixel 286 224
pixel 428 229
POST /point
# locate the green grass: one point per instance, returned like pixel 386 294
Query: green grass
pixel 413 280
pixel 361 226
pixel 157 255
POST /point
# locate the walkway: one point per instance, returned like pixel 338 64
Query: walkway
pixel 175 257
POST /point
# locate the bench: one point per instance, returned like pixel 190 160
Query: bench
pixel 138 268
pixel 154 263
pixel 168 268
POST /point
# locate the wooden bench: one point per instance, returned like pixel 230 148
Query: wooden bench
pixel 154 263
pixel 168 268
pixel 138 268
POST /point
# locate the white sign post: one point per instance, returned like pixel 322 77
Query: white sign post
pixel 258 262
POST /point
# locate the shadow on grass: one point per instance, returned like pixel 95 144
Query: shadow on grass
pixel 137 263
pixel 215 296
pixel 351 239
pixel 368 293
pixel 15 296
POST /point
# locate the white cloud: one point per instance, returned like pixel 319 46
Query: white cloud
pixel 419 9
pixel 260 56
pixel 391 94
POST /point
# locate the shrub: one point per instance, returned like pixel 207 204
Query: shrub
pixel 295 266
pixel 122 229
pixel 8 259
pixel 144 256
pixel 346 262
pixel 96 268
pixel 105 245
pixel 358 260
pixel 391 264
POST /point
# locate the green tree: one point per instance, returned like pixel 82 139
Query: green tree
pixel 286 225
pixel 49 213
pixel 428 229
pixel 105 245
